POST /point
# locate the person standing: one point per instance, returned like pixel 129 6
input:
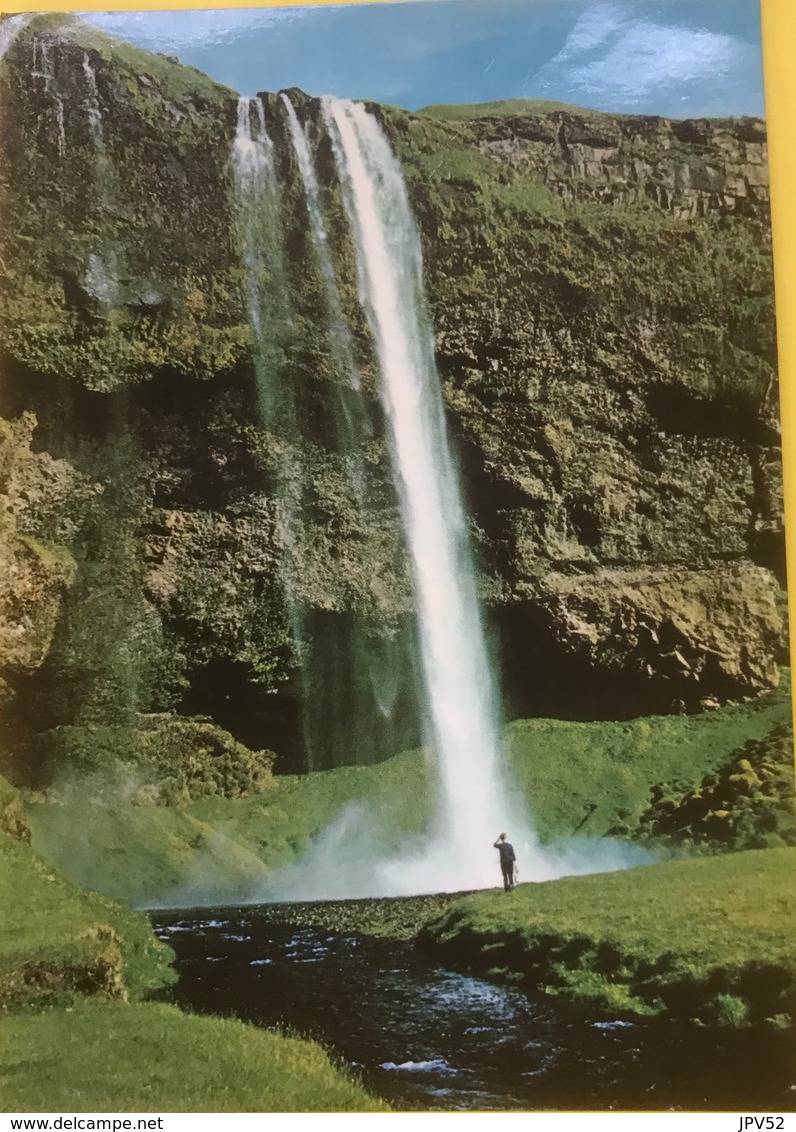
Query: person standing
pixel 508 861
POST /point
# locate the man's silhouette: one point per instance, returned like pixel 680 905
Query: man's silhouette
pixel 508 861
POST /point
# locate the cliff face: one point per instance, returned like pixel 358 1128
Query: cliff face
pixel 602 294
pixel 602 300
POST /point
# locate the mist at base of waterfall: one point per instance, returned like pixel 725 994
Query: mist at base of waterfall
pixel 349 861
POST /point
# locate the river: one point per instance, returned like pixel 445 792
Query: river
pixel 423 1037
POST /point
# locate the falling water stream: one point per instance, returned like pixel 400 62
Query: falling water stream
pixel 475 800
pixel 464 731
pixel 10 30
pixel 43 69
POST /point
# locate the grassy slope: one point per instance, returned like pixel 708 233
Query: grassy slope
pixel 709 938
pixel 582 777
pixel 138 853
pixel 51 926
pixel 70 1041
pixel 152 1058
pixel 504 108
pixel 220 849
pixel 181 79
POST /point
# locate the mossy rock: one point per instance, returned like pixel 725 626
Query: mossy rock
pixel 160 759
pixel 13 819
pixel 747 803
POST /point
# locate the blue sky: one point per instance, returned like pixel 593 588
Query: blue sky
pixel 679 58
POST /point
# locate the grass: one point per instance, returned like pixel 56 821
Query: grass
pixel 579 778
pixel 505 108
pixel 585 777
pixel 707 939
pixel 141 853
pixel 78 1035
pixel 181 81
pixel 220 850
pixel 107 1057
pixel 59 941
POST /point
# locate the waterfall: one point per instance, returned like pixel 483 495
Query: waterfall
pixel 359 854
pixel 354 423
pixel 11 28
pixel 464 730
pixel 105 271
pixel 253 162
pixel 261 226
pixel 252 150
pixel 360 654
pixel 43 69
pixel 339 327
pixel 92 108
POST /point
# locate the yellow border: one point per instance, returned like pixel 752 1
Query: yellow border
pixel 779 53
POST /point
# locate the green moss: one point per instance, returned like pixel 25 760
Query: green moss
pixel 152 758
pixel 181 81
pixel 51 557
pixel 151 1058
pixel 746 803
pixel 100 282
pixel 707 939
pixel 13 819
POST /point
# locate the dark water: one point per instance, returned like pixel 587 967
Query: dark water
pixel 426 1038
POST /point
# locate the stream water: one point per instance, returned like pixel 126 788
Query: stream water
pixel 424 1037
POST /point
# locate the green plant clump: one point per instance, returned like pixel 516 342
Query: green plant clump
pixel 747 803
pixel 59 941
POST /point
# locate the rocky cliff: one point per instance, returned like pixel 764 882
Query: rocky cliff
pixel 601 295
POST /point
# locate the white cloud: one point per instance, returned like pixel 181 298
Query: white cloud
pixel 591 30
pixel 174 31
pixel 611 57
pixel 650 56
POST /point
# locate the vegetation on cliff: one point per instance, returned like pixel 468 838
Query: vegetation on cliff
pixel 108 145
pixel 747 803
pixel 602 300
